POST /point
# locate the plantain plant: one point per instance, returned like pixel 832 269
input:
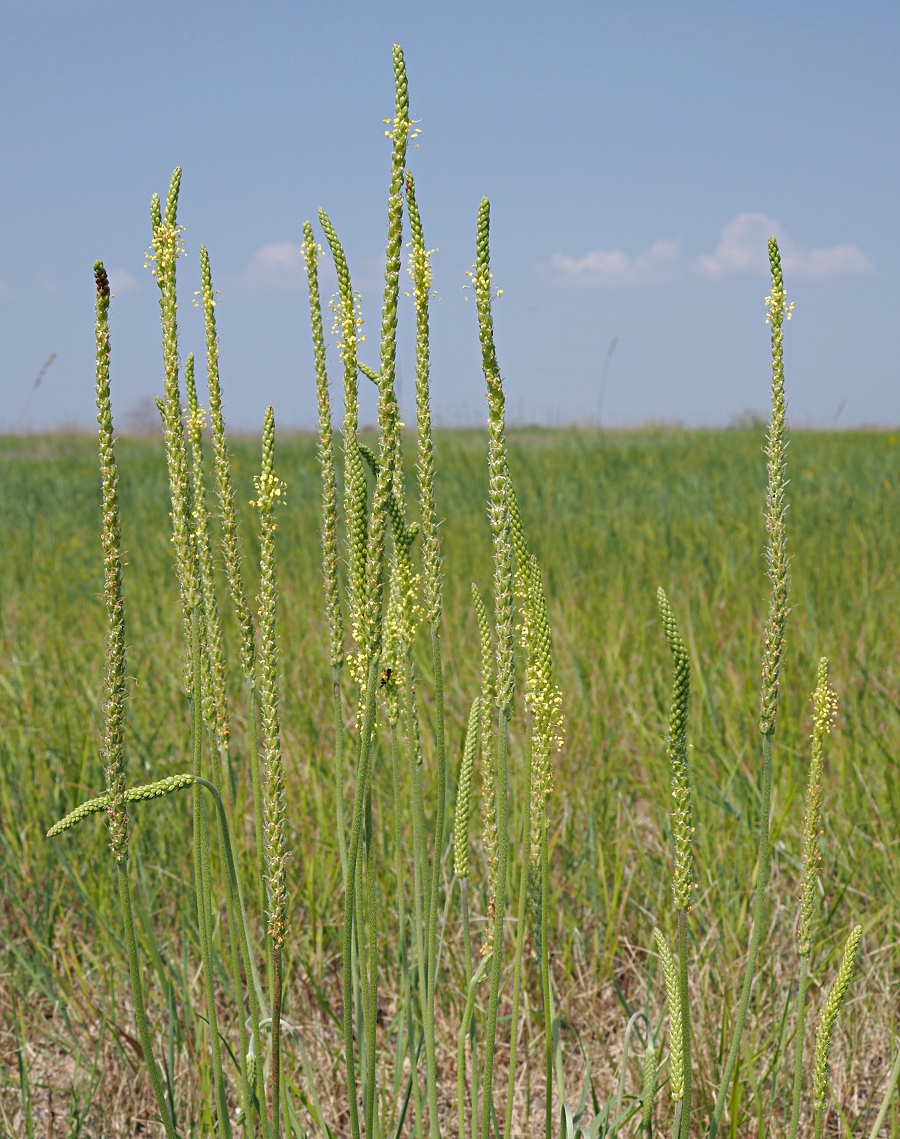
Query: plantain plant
pixel 383 597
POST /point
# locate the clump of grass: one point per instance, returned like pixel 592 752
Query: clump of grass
pixel 387 574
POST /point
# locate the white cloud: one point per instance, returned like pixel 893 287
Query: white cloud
pixel 743 248
pixel 615 267
pixel 278 265
pixel 122 282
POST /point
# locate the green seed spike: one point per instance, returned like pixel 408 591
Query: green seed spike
pixel 349 322
pixel 777 561
pixel 132 795
pixel 231 546
pixel 333 610
pixel 682 826
pixel 830 1012
pixel 824 712
pixel 498 474
pixel 464 794
pixel 673 1000
pixel 215 700
pixel 166 248
pixel 421 273
pixel 114 708
pixel 544 701
pixel 388 414
pixel 269 491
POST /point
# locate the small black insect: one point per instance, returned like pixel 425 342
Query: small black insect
pixel 385 677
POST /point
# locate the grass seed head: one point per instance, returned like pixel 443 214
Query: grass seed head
pixel 676 748
pixel 114 707
pixel 269 491
pixel 673 1004
pixel 777 561
pixel 824 713
pixel 830 1012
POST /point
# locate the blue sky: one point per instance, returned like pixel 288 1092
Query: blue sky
pixel 636 155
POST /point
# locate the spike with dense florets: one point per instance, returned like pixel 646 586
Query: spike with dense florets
pixel 544 702
pixel 132 795
pixel 464 794
pixel 215 700
pixel 333 611
pixel 348 323
pixel 269 492
pixel 830 1012
pixel 166 248
pixel 388 413
pixel 824 713
pixel 676 748
pixel 231 546
pixel 420 271
pixel 673 1004
pixel 777 561
pixel 498 473
pixel 114 707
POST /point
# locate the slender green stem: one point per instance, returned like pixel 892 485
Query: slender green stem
pixel 759 915
pixel 502 815
pixel 684 995
pixel 545 980
pixel 362 776
pixel 371 964
pixel 467 951
pixel 421 886
pixel 401 927
pixel 441 764
pixel 243 940
pixel 202 875
pixel 517 968
pixel 140 1015
pixel 461 1053
pixel 798 1052
pixel 888 1096
pixel 277 993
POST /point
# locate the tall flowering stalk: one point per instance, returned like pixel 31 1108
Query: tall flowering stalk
pixel 420 270
pixel 498 514
pixel 682 876
pixel 269 492
pixel 333 612
pixel 777 565
pixel 114 705
pixel 371 609
pixel 348 323
pixel 166 248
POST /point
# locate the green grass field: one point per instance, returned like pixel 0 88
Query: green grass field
pixel 611 517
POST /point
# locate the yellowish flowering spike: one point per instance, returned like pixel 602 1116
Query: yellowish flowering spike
pixel 498 473
pixel 777 561
pixel 269 492
pixel 824 713
pixel 420 270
